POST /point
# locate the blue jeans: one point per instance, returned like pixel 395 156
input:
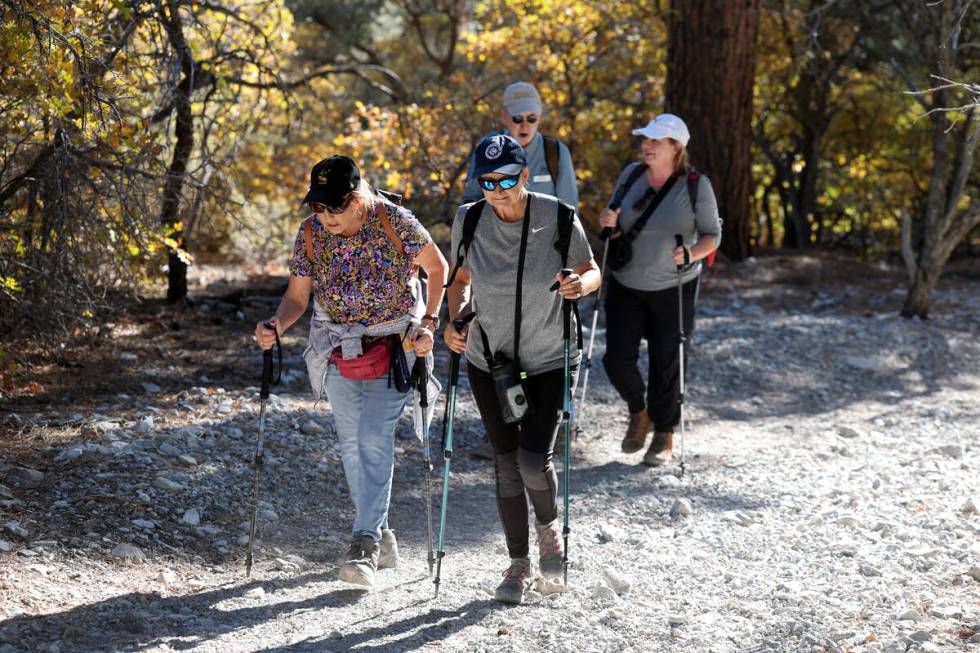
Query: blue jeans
pixel 366 413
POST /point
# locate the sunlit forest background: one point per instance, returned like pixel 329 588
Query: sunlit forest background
pixel 138 137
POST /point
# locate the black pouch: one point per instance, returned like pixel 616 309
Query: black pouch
pixel 515 406
pixel 399 374
pixel 620 251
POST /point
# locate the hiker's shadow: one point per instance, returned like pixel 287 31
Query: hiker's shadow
pixel 142 620
pixel 433 625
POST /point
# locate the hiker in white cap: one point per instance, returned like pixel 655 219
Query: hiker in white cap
pixel 655 200
pixel 549 163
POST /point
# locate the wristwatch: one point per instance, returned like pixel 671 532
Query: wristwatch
pixel 431 318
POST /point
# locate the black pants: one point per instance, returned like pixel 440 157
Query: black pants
pixel 632 315
pixel 522 453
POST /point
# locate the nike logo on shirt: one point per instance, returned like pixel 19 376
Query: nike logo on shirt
pixel 534 231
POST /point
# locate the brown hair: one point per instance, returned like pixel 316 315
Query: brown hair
pixel 681 161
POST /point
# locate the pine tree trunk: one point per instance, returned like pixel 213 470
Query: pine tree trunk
pixel 710 76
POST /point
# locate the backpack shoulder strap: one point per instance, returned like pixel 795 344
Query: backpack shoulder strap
pixel 552 155
pixel 308 237
pixel 637 172
pixel 389 230
pixel 693 177
pixel 470 220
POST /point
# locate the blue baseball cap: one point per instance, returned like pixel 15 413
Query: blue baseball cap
pixel 499 153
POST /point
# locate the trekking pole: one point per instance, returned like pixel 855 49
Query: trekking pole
pixel 447 454
pixel 566 415
pixel 259 443
pixel 595 321
pixel 679 240
pixel 420 373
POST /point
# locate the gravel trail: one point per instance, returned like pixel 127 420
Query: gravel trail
pixel 831 503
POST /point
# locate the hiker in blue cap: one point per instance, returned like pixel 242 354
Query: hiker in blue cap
pixel 510 249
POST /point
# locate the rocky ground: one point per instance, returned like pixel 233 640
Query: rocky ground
pixel 830 501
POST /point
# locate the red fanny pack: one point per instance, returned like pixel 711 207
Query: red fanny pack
pixel 370 365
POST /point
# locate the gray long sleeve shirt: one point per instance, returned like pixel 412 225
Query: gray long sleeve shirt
pixel 652 266
pixel 539 177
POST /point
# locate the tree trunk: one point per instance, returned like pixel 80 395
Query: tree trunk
pixel 710 76
pixel 184 133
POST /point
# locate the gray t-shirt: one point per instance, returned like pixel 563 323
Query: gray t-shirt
pixel 492 260
pixel 652 266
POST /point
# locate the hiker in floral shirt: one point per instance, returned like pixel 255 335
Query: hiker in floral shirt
pixel 358 254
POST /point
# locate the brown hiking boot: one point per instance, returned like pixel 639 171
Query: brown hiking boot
pixel 636 432
pixel 661 449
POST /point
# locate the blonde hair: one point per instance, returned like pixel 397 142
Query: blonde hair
pixel 681 160
pixel 365 195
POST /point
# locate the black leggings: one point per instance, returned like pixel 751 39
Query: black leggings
pixel 632 315
pixel 522 453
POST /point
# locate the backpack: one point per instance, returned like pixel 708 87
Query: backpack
pixel 693 179
pixel 566 217
pixel 552 154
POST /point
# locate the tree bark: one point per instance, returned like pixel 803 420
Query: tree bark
pixel 184 133
pixel 710 77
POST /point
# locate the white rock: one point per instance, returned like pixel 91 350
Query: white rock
pixel 866 364
pixel 7 547
pixel 14 528
pixel 974 573
pixel 676 620
pixel 190 461
pixel 868 570
pixel 168 576
pixel 191 517
pixel 150 387
pixel 610 533
pixel 681 508
pixel 311 427
pixel 128 552
pixel 128 357
pixel 255 593
pixel 603 592
pixel 969 507
pixel 268 515
pixel 167 485
pixel 145 425
pixel 619 584
pixel 71 454
pixel 909 615
pixel 144 523
pixel 24 476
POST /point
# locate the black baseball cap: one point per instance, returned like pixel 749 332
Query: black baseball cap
pixel 331 180
pixel 499 153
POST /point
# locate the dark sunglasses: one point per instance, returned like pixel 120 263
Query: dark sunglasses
pixel 505 184
pixel 519 119
pixel 317 207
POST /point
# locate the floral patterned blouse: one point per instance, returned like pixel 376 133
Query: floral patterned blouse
pixel 361 278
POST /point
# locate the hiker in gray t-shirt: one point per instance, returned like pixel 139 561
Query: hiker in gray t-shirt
pixel 642 299
pixel 487 283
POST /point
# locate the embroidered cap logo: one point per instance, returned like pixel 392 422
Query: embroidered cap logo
pixel 493 151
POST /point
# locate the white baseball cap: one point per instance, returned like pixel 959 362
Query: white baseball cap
pixel 666 125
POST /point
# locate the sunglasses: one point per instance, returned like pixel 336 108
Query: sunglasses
pixel 505 184
pixel 317 207
pixel 519 119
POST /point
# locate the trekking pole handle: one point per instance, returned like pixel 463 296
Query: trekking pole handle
pixel 564 273
pixel 267 363
pixel 679 240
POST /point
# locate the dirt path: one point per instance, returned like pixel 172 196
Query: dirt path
pixel 830 504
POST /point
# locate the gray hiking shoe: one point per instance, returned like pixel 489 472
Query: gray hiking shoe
pixel 517 581
pixel 388 556
pixel 362 561
pixel 549 549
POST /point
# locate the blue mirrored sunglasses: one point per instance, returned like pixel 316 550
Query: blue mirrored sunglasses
pixel 505 184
